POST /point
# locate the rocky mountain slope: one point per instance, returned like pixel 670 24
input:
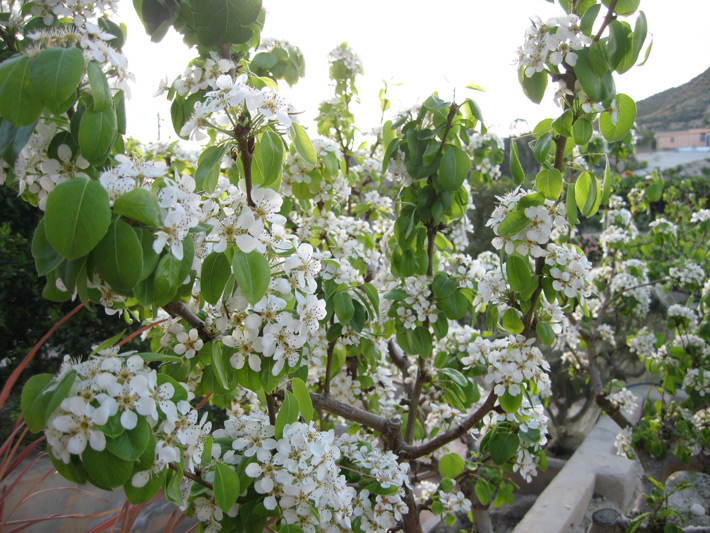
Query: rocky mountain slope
pixel 679 108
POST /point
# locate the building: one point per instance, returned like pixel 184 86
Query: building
pixel 686 140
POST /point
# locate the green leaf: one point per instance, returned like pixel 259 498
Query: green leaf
pixel 542 147
pixel 518 273
pixel 511 322
pixel 224 21
pixel 582 131
pixel 513 224
pixel 571 204
pixel 516 169
pixel 208 165
pixel 562 125
pixel 131 444
pixel 269 156
pixel 587 194
pixel 139 205
pixel 226 486
pixel 13 140
pixel 288 413
pixel 623 7
pixel 509 403
pixel 213 278
pixel 606 189
pixel 344 308
pixel 167 280
pixel 503 447
pixel 253 273
pixel 34 403
pixel 99 87
pixel 97 132
pixel 549 183
pixel 598 88
pixel 484 490
pixel 587 22
pixel 455 306
pixel 105 470
pixel 19 103
pixel 534 86
pixel 77 216
pixel 46 257
pixel 119 256
pixel 545 333
pixel 304 399
pixel 304 146
pixel 625 119
pixel 443 285
pixel 56 72
pixel 119 104
pixel 421 341
pixel 150 258
pixel 451 465
pixel 455 165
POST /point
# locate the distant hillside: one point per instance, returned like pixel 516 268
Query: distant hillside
pixel 679 108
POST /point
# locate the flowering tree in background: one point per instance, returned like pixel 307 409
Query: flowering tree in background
pixel 318 290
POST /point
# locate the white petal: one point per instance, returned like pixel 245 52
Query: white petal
pixel 129 419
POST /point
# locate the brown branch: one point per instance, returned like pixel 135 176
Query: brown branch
pixel 390 428
pixel 190 475
pixel 242 135
pixel 414 452
pixel 271 408
pixel 607 20
pixel 179 309
pixel 410 521
pixel 528 319
pixel 9 40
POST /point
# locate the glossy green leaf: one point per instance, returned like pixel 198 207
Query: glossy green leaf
pixel 503 447
pixel 513 224
pixel 19 102
pixel 119 256
pixel 105 470
pixel 288 413
pixel 587 194
pixel 582 131
pixel 214 275
pixel 606 188
pixel 252 273
pixel 545 333
pixel 304 146
pixel 97 133
pixel 454 167
pixel 119 105
pixel 131 444
pixel 56 72
pixel 344 308
pixel 509 403
pixel 598 88
pixel 518 273
pixel 516 169
pixel 443 285
pixel 451 465
pixel 421 341
pixel 571 204
pixel 13 140
pixel 562 125
pixel 139 205
pixel 269 155
pixel 623 7
pixel 305 404
pixel 511 321
pixel 455 306
pixel 46 257
pixel 542 148
pixel 208 166
pixel 226 486
pixel 100 90
pixel 77 216
pixel 167 279
pixel 224 21
pixel 138 495
pixel 534 86
pixel 624 120
pixel 549 183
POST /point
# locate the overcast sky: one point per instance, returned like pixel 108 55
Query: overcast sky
pixel 425 46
